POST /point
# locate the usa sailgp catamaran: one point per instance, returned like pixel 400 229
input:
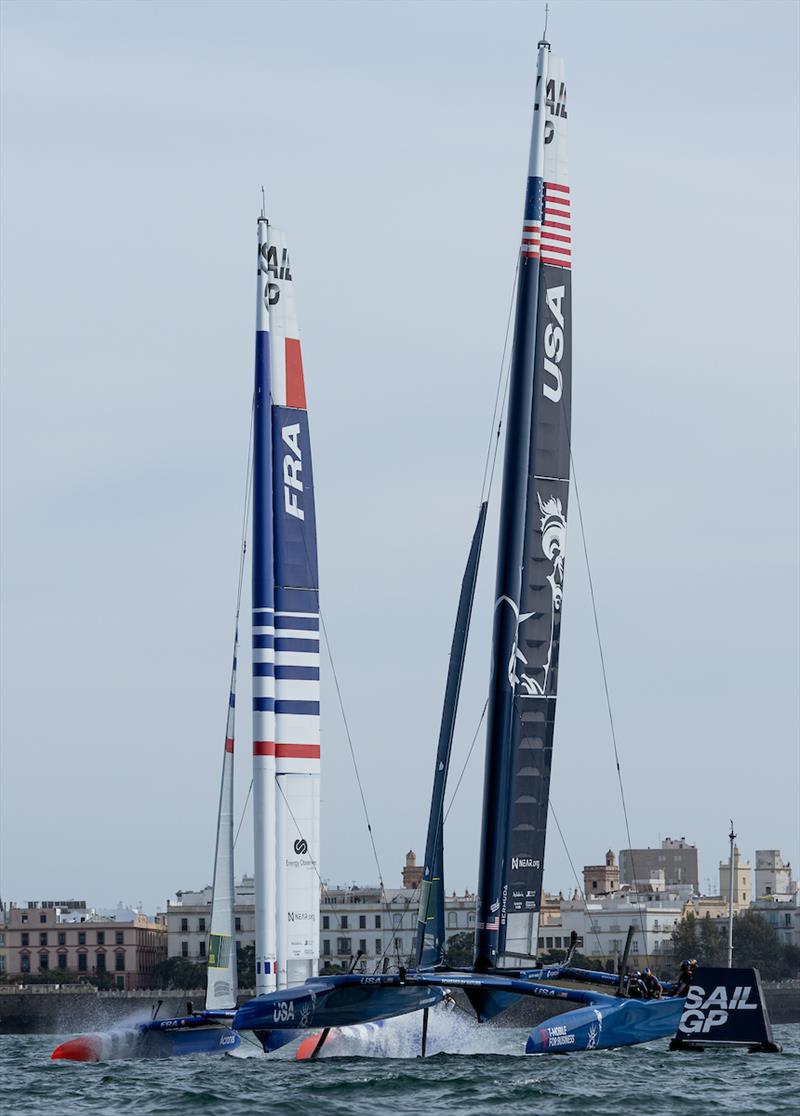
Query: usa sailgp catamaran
pixel 523 685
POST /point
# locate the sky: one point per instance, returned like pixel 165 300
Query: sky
pixel 391 139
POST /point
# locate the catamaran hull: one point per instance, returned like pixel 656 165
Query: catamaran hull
pixel 170 1039
pixel 604 1026
pixel 319 1005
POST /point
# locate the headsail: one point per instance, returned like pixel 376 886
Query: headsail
pixel 430 925
pixel 297 635
pixel 530 571
pixel 221 978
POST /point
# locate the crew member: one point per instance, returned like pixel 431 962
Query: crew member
pixel 636 986
pixel 684 980
pixel 652 984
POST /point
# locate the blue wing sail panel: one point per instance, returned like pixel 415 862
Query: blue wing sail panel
pixel 430 928
pixel 295 517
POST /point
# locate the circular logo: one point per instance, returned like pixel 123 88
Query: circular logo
pixel 301 846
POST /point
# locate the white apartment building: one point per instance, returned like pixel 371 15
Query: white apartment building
pixel 188 919
pixel 602 923
pixel 382 927
pixel 773 877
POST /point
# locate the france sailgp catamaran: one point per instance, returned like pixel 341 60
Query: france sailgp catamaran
pixel 286 733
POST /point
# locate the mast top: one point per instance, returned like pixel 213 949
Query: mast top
pixel 263 215
pixel 543 41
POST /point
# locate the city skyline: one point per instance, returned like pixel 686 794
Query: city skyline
pixel 391 140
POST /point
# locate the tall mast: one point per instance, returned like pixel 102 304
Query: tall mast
pixel 530 558
pixel 264 790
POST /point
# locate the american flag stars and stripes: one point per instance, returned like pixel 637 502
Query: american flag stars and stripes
pixel 556 232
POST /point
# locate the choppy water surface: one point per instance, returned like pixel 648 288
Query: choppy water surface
pixel 645 1079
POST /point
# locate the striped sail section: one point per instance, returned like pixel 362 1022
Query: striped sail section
pixel 556 230
pixel 292 639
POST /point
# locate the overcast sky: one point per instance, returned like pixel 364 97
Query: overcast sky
pixel 392 141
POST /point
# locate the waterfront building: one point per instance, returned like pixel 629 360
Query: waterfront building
pixel 742 881
pixel 381 925
pixel 188 918
pixel 353 919
pixel 66 937
pixel 601 879
pixel 773 877
pixel 601 923
pixel 676 858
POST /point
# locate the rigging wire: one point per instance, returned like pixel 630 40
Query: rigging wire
pixel 607 695
pixel 575 875
pixel 486 492
pixel 466 761
pixel 346 724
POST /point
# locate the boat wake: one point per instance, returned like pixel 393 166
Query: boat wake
pixel 449 1032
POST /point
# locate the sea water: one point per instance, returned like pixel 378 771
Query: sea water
pixel 490 1076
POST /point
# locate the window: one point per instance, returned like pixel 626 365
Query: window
pixel 25 938
pixel 326 922
pixel 82 963
pixel 101 937
pixel 44 961
pixel 119 937
pixel 43 918
pixel 184 926
pixel 548 943
pixel 362 922
pixel 119 961
pixel 768 890
pixel 378 946
pixel 43 938
pixel 377 922
pixel 398 944
pixel 362 944
pixel 81 937
pixel 237 925
pixel 121 983
pixel 24 920
pixel 62 938
pixel 25 963
pixel 326 947
pixel 344 922
pixel 201 925
pixel 541 943
pixel 101 963
pixel 2 963
pixel 184 949
pixel 202 949
pixel 62 960
pixel 343 945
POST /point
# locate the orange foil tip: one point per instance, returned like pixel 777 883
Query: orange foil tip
pixel 87 1048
